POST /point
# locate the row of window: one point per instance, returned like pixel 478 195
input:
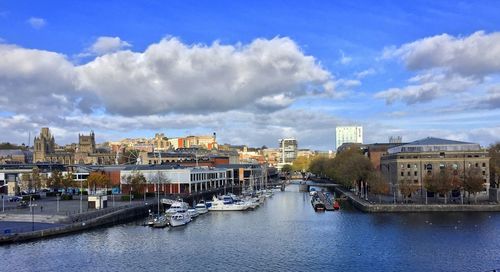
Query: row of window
pixel 207 176
pixel 441 165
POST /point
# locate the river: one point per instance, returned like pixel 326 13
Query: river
pixel 285 234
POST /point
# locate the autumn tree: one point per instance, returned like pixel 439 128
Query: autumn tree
pixel 378 185
pixel 68 181
pixel 301 164
pixel 55 180
pixel 36 178
pixel 494 154
pixel 407 188
pixel 473 182
pixel 98 180
pixel 444 182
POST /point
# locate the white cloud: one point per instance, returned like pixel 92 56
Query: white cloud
pixel 475 55
pixel 35 81
pixel 36 23
pixel 170 76
pixel 365 73
pixel 344 59
pixel 104 45
pixel 427 87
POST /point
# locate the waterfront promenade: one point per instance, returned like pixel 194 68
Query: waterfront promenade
pixel 53 217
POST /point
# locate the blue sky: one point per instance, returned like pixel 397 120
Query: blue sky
pixel 395 67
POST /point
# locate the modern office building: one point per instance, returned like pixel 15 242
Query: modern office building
pixel 348 134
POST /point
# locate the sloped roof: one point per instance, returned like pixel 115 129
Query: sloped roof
pixel 436 141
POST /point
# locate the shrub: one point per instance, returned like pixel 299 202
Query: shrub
pixel 125 198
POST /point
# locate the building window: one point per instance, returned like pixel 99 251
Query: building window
pixel 402 166
pixel 484 164
pixel 455 166
pixel 428 166
pixel 402 174
pixel 416 173
pixel 409 173
pixel 414 166
pixel 441 166
pixel 408 166
pixel 415 181
pixel 484 173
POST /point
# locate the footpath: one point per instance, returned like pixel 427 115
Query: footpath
pixel 18 225
pixel 369 207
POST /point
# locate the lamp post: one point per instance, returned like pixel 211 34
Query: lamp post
pixel 81 191
pixel 3 198
pixel 32 207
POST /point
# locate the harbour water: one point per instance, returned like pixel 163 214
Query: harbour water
pixel 285 234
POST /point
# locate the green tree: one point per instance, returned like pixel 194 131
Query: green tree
pixel 136 181
pixel 494 154
pixel 352 169
pixel 473 182
pixel 287 168
pixel 319 166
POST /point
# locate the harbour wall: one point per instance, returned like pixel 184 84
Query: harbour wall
pixel 111 218
pixel 368 207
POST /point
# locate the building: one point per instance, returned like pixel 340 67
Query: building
pixel 45 149
pixel 348 134
pixel 15 156
pixel 288 151
pixel 175 180
pixel 161 143
pixel 413 161
pixel 85 153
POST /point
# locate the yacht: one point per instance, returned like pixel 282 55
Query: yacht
pixel 193 213
pixel 176 207
pixel 180 218
pixel 201 208
pixel 220 205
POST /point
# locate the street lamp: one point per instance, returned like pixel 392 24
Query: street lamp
pixel 3 198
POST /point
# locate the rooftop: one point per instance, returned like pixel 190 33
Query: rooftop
pixel 431 144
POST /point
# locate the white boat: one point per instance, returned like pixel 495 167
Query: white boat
pixel 179 219
pixel 219 205
pixel 176 207
pixel 160 222
pixel 193 213
pixel 201 208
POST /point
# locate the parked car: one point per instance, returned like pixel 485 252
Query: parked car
pixel 22 204
pixel 15 198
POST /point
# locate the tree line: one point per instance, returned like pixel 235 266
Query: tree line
pixel 354 171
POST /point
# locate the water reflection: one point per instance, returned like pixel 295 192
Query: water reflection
pixel 284 234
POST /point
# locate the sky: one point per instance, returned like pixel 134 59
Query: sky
pixel 253 72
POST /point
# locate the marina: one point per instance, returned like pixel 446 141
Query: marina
pixel 284 233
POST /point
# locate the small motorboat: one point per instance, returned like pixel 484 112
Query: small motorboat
pixel 336 205
pixel 193 213
pixel 160 222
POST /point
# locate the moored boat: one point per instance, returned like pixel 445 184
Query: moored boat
pixel 201 208
pixel 179 219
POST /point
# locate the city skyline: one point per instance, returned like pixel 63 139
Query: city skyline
pixel 251 74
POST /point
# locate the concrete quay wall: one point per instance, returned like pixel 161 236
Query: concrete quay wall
pixel 115 217
pixel 367 207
